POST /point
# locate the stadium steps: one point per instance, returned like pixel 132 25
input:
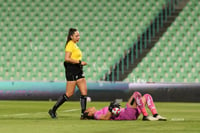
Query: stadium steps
pixel 128 69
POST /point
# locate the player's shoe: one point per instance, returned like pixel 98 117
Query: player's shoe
pixel 52 114
pixel 160 118
pixel 149 118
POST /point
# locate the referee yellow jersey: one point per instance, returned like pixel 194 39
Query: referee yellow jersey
pixel 74 49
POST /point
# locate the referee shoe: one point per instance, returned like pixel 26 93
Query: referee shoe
pixel 52 114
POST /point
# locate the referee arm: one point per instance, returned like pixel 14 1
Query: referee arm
pixel 70 60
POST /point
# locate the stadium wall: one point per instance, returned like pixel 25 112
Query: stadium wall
pixel 101 91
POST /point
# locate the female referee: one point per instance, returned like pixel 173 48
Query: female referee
pixel 73 72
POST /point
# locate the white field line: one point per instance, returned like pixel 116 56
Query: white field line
pixel 36 113
pixel 71 110
pixel 177 119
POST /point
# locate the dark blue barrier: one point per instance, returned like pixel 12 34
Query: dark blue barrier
pixel 51 90
pixel 30 90
pixel 170 92
pixel 100 91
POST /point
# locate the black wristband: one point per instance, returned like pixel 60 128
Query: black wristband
pixel 79 62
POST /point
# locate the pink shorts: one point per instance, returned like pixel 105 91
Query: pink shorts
pixel 128 113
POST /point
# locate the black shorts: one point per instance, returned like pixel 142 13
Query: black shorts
pixel 73 72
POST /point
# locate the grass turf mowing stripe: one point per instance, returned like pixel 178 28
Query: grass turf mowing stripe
pixel 22 115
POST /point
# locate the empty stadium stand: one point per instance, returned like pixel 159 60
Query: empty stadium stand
pixel 33 35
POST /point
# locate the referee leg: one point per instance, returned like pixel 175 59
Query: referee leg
pixel 81 83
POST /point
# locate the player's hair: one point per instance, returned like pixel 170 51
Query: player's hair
pixel 70 33
pixel 88 117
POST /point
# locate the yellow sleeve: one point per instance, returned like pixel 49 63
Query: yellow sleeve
pixel 69 47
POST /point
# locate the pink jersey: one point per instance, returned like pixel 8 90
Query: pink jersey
pixel 127 113
pixel 98 114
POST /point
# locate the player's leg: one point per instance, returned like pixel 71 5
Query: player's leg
pixel 140 101
pixel 138 98
pixel 81 83
pixel 149 101
pixel 70 87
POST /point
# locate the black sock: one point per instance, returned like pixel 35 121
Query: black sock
pixel 60 101
pixel 155 115
pixel 83 101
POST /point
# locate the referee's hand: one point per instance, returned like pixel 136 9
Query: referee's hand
pixel 83 63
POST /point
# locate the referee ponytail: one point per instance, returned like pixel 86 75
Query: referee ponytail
pixel 70 33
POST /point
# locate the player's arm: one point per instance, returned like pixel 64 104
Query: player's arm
pixel 106 116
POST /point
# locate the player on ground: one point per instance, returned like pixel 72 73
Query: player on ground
pixel 134 107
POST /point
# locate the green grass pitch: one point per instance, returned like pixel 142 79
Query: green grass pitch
pixel 32 117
